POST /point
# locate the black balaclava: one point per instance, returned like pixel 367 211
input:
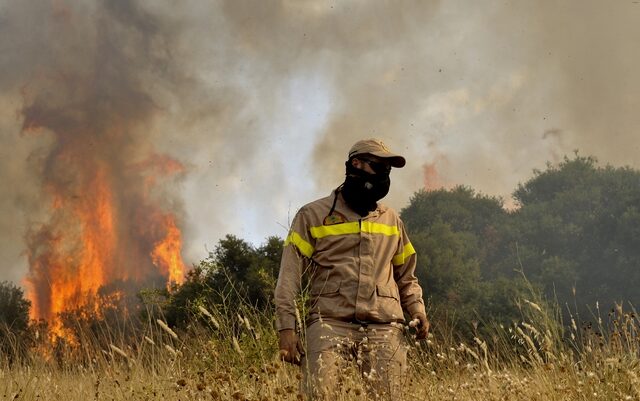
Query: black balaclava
pixel 362 190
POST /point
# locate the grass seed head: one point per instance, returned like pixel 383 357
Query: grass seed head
pixel 236 346
pixel 533 305
pixel 204 311
pixel 118 351
pixel 167 329
pixel 171 350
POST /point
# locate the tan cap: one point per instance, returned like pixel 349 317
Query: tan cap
pixel 377 148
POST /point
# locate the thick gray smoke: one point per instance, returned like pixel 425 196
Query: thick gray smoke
pixel 104 216
pixel 481 93
pixel 260 100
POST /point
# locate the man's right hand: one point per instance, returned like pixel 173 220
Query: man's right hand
pixel 422 328
pixel 290 346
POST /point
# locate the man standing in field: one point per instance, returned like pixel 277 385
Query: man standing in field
pixel 352 257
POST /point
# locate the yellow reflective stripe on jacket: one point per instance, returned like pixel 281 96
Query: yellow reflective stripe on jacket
pixel 400 258
pixel 305 248
pixel 354 227
pixel 379 228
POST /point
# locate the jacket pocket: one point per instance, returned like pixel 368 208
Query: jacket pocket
pixel 325 288
pixel 388 291
pixel 388 303
pixel 325 300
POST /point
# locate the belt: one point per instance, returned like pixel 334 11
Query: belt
pixel 365 323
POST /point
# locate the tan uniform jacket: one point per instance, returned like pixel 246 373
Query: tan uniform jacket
pixel 357 268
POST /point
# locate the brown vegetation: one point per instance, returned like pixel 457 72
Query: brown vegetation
pixel 234 359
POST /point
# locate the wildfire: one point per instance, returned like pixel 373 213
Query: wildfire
pixel 88 244
pixel 431 172
pixel 166 254
pixel 107 223
pixel 432 180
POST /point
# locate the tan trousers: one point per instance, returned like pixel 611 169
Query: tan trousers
pixel 378 352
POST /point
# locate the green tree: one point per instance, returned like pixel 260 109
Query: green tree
pixel 235 271
pixel 459 237
pixel 577 230
pixel 14 320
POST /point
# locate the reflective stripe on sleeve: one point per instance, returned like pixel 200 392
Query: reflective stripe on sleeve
pixel 400 258
pixel 353 227
pixel 305 248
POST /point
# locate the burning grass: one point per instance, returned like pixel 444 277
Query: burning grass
pixel 228 353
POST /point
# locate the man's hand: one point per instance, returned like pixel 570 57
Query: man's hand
pixel 290 346
pixel 422 329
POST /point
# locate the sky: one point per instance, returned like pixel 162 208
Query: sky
pixel 260 101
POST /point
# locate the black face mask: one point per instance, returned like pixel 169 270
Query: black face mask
pixel 362 190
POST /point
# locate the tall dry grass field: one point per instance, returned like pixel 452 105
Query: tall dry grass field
pixel 229 354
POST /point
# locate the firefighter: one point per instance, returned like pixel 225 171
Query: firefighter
pixel 352 261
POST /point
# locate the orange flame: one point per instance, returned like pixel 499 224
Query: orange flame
pixel 432 178
pixel 89 244
pixel 166 254
pixel 109 226
pixel 75 273
pixel 432 172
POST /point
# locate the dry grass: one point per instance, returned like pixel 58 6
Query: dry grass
pixel 231 357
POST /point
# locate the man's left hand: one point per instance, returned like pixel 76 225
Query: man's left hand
pixel 422 329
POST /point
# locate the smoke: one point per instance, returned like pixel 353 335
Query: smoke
pixel 84 92
pixel 469 92
pixel 260 102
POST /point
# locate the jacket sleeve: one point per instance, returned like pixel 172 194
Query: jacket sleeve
pixel 297 252
pixel 404 266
